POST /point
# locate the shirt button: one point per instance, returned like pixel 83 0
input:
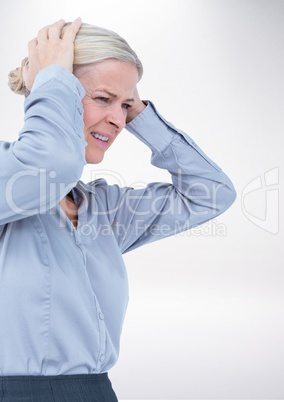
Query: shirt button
pixel 101 316
pixel 102 358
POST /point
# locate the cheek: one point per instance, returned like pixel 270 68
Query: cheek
pixel 92 115
pixel 87 137
pixel 88 117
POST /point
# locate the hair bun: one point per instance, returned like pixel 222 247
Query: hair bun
pixel 16 80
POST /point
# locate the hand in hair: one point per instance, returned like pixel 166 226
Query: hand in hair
pixel 51 47
pixel 136 108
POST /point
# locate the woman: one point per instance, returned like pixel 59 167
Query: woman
pixel 63 284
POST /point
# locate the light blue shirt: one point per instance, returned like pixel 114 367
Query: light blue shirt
pixel 63 291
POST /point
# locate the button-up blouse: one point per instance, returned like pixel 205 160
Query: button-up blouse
pixel 63 290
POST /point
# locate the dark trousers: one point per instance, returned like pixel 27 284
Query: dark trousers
pixel 62 388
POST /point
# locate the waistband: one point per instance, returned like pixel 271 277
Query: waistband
pixel 71 377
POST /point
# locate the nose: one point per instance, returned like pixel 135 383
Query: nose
pixel 117 116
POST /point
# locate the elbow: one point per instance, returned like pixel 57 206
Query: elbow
pixel 66 165
pixel 225 197
pixel 68 171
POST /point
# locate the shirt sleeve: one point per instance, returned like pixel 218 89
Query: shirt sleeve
pixel 199 191
pixel 46 161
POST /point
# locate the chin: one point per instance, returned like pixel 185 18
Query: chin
pixel 94 159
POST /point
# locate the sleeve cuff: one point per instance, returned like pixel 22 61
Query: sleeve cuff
pixel 157 133
pixel 148 128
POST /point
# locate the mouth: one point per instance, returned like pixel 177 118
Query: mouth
pixel 102 139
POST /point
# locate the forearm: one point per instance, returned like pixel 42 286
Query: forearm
pixel 204 186
pixel 50 152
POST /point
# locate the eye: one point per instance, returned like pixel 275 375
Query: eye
pixel 126 106
pixel 99 99
pixel 102 99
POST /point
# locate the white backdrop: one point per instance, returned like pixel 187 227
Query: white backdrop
pixel 205 318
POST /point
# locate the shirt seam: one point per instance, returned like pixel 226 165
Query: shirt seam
pixel 48 302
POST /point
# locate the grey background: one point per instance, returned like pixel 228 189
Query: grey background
pixel 205 317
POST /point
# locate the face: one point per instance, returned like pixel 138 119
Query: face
pixel 110 87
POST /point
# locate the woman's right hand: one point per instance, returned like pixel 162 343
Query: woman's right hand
pixel 50 48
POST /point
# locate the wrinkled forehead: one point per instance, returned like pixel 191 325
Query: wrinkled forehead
pixel 113 76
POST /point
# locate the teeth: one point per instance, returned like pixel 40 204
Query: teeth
pixel 100 137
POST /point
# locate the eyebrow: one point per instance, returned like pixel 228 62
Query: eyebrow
pixel 114 96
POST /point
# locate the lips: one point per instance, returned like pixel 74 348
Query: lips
pixel 101 138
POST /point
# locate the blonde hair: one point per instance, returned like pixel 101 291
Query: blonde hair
pixel 92 45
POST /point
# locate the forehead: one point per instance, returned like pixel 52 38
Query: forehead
pixel 112 75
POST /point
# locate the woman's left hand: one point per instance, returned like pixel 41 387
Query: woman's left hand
pixel 136 108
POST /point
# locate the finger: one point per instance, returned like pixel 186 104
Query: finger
pixel 55 29
pixel 28 78
pixel 32 45
pixel 43 33
pixel 25 72
pixel 72 30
